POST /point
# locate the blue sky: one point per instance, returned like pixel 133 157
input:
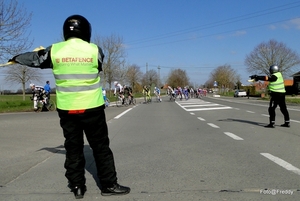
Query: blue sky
pixel 194 35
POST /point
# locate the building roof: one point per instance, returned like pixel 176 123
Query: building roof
pixel 296 74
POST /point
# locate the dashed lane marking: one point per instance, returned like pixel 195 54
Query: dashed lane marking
pixel 201 119
pixel 233 136
pixel 213 125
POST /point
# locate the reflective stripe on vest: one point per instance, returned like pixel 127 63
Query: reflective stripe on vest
pixel 75 68
pixel 278 85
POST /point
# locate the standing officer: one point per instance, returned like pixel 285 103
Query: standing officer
pixel 76 63
pixel 277 93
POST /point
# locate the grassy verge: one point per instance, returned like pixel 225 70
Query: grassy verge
pixel 15 103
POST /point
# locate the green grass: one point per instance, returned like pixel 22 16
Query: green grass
pixel 15 103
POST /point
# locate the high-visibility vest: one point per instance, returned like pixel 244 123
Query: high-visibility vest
pixel 75 69
pixel 278 85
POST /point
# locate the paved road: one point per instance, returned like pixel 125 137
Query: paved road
pixel 209 149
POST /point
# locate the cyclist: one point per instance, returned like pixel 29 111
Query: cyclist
pixel 119 91
pixel 171 93
pixel 157 93
pixel 179 91
pixel 38 94
pixel 186 93
pixel 146 92
pixel 128 93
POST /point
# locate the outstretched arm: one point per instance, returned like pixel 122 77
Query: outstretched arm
pixel 38 59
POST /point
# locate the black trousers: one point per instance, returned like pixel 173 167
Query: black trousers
pixel 93 124
pixel 278 99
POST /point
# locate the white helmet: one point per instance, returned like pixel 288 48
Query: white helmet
pixel 31 85
pixel 115 82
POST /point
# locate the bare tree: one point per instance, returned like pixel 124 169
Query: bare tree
pixel 149 78
pixel 133 75
pixel 114 60
pixel 22 74
pixel 225 76
pixel 178 77
pixel 14 24
pixel 271 53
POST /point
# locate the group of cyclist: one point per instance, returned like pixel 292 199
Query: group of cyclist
pixel 123 92
pixel 185 92
pixel 40 93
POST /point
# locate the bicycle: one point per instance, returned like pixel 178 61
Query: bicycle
pixel 43 106
pixel 147 98
pixel 132 100
pixel 158 99
pixel 120 102
pixel 172 97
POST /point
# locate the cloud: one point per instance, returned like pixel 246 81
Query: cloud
pixel 239 33
pixel 273 27
pixel 295 23
pixel 291 24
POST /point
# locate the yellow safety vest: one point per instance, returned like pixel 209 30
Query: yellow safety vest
pixel 278 85
pixel 75 68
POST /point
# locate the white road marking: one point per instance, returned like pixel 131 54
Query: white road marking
pixel 192 113
pixel 209 108
pixel 250 111
pixel 295 121
pixel 235 137
pixel 213 125
pixel 282 163
pixel 120 115
pixel 201 119
pixel 199 105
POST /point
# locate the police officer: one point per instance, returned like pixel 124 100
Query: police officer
pixel 76 63
pixel 277 93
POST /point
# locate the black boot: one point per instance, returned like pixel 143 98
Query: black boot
pixel 79 191
pixel 286 124
pixel 115 189
pixel 270 126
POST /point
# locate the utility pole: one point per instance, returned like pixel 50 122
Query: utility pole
pixel 158 80
pixel 147 73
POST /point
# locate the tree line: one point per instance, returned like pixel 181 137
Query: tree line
pixel 15 29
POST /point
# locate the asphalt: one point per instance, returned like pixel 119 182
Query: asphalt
pixel 32 157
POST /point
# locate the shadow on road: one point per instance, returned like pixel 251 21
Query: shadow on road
pixel 242 121
pixel 90 165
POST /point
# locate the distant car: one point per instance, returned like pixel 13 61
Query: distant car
pixel 210 91
pixel 240 93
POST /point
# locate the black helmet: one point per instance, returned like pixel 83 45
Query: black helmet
pixel 274 69
pixel 77 26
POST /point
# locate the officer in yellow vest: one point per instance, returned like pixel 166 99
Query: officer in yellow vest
pixel 277 93
pixel 76 63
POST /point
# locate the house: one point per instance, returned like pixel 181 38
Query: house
pixel 289 86
pixel 296 84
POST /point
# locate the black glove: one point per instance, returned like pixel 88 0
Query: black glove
pixel 31 98
pixel 255 77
